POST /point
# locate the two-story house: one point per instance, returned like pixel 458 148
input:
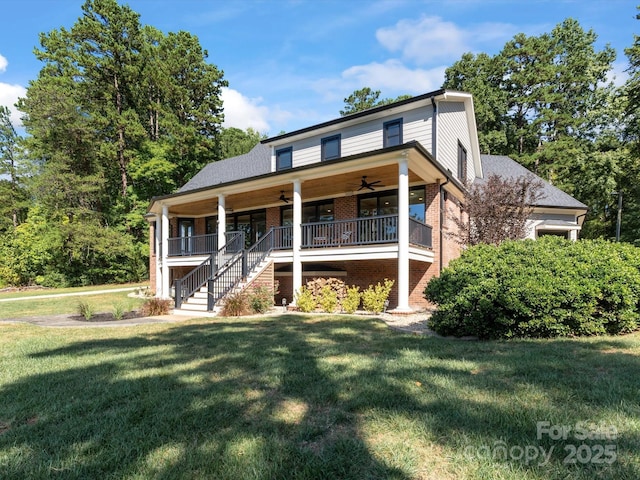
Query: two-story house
pixel 363 198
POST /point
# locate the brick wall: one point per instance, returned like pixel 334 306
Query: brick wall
pixel 273 217
pixel 345 208
pixel 369 272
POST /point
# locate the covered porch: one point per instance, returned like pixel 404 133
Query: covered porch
pixel 316 212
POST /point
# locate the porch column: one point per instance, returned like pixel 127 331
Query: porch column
pixel 165 252
pixel 403 236
pixel 158 248
pixel 222 221
pixel 296 241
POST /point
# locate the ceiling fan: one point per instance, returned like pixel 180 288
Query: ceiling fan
pixel 282 198
pixel 370 185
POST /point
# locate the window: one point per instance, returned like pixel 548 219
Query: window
pixel 330 148
pixel 392 133
pixel 253 224
pixel 284 158
pixel 312 212
pixel 462 163
pixel 211 225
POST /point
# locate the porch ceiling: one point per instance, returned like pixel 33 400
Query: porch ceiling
pixel 324 181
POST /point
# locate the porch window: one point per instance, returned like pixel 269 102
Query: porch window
pixel 386 203
pixel 284 158
pixel 253 224
pixel 312 212
pixel 392 133
pixel 211 224
pixel 330 147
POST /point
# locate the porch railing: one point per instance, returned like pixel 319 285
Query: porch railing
pixel 193 245
pixel 362 231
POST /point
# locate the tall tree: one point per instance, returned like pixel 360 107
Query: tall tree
pixel 12 191
pixel 366 98
pixel 234 141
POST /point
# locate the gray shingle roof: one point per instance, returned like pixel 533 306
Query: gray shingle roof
pixel 256 162
pixel 509 168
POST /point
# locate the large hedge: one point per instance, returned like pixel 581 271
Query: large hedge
pixel 543 288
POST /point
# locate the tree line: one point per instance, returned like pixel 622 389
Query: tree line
pixel 121 112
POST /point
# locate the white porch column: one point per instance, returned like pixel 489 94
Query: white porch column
pixel 296 242
pixel 165 252
pixel 157 240
pixel 222 221
pixel 403 236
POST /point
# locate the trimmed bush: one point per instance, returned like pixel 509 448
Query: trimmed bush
pixel 374 296
pixel 351 301
pixel 544 288
pixel 328 299
pixel 305 300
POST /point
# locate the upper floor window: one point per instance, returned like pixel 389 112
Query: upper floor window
pixel 284 158
pixel 331 147
pixel 462 162
pixel 392 133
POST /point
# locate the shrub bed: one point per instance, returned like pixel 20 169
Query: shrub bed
pixel 544 288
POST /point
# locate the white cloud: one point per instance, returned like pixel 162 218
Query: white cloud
pixel 9 96
pixel 3 64
pixel 394 75
pixel 423 40
pixel 428 39
pixel 243 112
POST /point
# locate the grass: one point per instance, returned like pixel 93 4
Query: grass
pixel 103 302
pixel 306 397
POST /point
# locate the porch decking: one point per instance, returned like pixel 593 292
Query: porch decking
pixel 339 233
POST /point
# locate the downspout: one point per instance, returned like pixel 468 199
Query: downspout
pixel 434 129
pixel 441 221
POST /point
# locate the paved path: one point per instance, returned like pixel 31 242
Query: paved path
pixel 72 321
pixel 73 294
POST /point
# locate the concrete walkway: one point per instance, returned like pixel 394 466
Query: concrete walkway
pixel 72 321
pixel 73 294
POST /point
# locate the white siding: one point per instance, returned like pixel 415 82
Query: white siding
pixel 453 128
pixel 366 136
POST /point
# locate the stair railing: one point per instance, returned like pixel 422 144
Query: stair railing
pixel 230 275
pixel 196 278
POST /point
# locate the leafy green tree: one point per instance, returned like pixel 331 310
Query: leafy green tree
pixel 545 101
pixel 13 196
pixel 366 98
pixel 234 141
pixel 119 112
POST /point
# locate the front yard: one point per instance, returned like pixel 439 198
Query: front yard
pixel 296 396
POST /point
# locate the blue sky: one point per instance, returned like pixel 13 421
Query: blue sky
pixel 290 63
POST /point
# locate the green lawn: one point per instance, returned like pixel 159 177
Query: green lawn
pixel 296 396
pixel 33 305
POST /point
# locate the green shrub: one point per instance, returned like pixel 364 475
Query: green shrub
pixel 305 300
pixel 156 306
pixel 260 299
pixel 328 299
pixel 236 304
pixel 374 297
pixel 351 301
pixel 85 309
pixel 544 288
pixel 119 310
